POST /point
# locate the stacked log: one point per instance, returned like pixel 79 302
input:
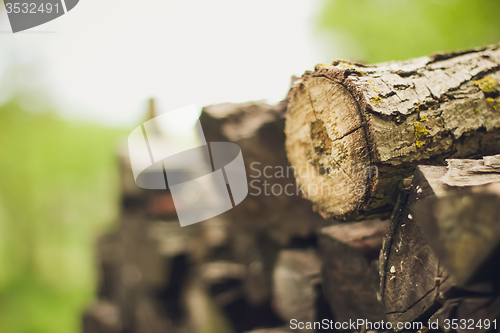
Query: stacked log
pixel 218 275
pixel 359 130
pixel 401 155
pixel 350 269
pixel 274 215
pixel 438 261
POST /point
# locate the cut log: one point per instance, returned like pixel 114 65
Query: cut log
pixel 411 277
pixel 355 131
pixel 349 253
pixel 460 223
pixel 296 275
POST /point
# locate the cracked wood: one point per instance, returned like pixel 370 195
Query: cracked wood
pixel 355 131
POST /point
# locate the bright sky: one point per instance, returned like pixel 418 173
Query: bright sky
pixel 105 58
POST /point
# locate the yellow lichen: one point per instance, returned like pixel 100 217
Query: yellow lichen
pixel 494 103
pixel 420 132
pixel 423 118
pixel 476 111
pixel 370 82
pixel 439 124
pixel 376 100
pixel 487 84
pixel 322 65
pixel 376 90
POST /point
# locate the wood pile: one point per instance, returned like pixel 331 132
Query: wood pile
pixel 409 234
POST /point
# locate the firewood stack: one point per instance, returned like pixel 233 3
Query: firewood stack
pixel 217 275
pixel 399 161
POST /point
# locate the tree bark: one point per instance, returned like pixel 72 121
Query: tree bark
pixel 355 131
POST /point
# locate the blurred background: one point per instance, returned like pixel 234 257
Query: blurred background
pixel 72 89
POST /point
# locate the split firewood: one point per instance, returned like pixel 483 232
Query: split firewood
pixel 411 276
pixel 349 254
pixel 461 226
pixel 463 231
pixel 355 131
pixel 441 251
pixel 460 222
pixel 296 276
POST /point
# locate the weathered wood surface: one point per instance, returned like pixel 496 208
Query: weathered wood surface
pixel 411 276
pixel 466 172
pixel 439 259
pixel 355 131
pixel 349 254
pixel 460 223
pixel 463 230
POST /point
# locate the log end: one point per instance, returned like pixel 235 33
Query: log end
pixel 326 145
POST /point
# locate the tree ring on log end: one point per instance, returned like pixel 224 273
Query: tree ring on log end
pixel 326 144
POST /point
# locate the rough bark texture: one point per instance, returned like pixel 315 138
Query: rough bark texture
pixel 355 131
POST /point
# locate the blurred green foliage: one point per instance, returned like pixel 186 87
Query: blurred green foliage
pixel 383 30
pixel 58 190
